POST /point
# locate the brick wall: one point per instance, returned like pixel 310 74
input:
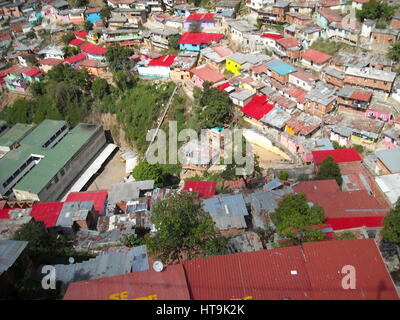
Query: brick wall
pixel 383 38
pixel 317 109
pixel 282 79
pixel 335 81
pixel 369 83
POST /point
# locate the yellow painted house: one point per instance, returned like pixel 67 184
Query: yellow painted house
pixel 234 62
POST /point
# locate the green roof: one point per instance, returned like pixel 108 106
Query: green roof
pixel 54 159
pixel 15 134
pixel 43 132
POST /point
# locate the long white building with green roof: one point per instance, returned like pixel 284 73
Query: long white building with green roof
pixel 49 159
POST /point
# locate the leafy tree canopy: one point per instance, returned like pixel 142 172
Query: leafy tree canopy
pixel 391 225
pixel 100 88
pixel 375 10
pixel 394 51
pixel 184 230
pixel 329 170
pixel 118 57
pixel 294 219
pixel 217 107
pixel 162 174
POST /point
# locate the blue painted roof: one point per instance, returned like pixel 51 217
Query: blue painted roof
pixel 226 205
pixel 272 184
pixel 280 67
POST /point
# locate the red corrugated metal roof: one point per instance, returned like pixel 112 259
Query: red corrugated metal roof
pixel 200 37
pixel 78 57
pixel 288 43
pixel 75 42
pixel 205 189
pixel 356 222
pixel 272 35
pixel 330 15
pixel 340 204
pixel 338 155
pixel 315 56
pixel 99 198
pixel 201 17
pixel 4 213
pixel 163 61
pixel 361 95
pixel 311 271
pixel 223 86
pixel 91 48
pixel 31 72
pixel 81 34
pixel 47 212
pixel 260 275
pixel 207 73
pixel 170 284
pixel 258 107
pixel 50 61
pixel 325 261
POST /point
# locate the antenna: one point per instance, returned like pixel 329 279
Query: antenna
pixel 158 266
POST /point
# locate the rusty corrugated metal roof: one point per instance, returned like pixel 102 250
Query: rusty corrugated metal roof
pixel 169 284
pixel 325 262
pixel 261 275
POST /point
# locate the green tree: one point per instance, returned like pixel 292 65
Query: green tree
pixel 161 174
pixel 394 51
pixel 31 34
pixel 118 57
pixel 329 170
pixel 217 107
pixel 67 37
pixel 391 224
pixel 105 13
pixel 375 10
pixel 184 230
pixel 135 239
pixel 78 3
pixel 283 175
pixel 347 235
pixel 294 219
pixel 70 51
pixel 230 170
pixel 100 88
pixel 173 44
pixel 360 149
pixel 336 145
pixel 20 112
pixel 124 80
pixel 88 25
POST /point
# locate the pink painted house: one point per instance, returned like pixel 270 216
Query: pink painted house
pixel 205 73
pixel 380 112
pixel 297 145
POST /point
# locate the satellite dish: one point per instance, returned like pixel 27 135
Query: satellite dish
pixel 158 266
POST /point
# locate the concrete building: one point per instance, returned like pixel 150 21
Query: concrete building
pixel 320 100
pixel 49 159
pixel 389 185
pixel 370 78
